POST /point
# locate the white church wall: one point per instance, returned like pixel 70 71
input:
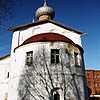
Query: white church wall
pixel 15 40
pixel 49 27
pixel 20 36
pixel 4 70
pixel 13 90
pixel 24 76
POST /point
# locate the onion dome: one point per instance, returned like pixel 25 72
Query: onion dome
pixel 46 11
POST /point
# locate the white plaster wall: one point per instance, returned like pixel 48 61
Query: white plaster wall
pixel 4 69
pixel 20 36
pixel 18 66
pixel 15 40
pixel 18 56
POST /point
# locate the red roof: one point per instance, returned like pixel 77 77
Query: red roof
pixel 47 37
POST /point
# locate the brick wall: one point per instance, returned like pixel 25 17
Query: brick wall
pixel 93 81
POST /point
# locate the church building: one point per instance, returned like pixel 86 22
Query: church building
pixel 46 61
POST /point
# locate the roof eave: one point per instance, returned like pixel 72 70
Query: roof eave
pixel 3 57
pixel 44 21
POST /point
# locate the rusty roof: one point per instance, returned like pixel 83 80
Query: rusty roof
pixel 42 22
pixel 47 37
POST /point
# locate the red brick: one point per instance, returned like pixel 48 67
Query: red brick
pixel 92 80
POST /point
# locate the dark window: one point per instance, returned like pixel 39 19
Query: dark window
pixel 8 75
pixel 97 75
pixel 56 96
pixel 54 56
pixel 96 92
pixel 88 75
pixel 89 83
pixel 95 84
pixel 94 76
pixel 77 60
pixel 99 92
pixel 99 83
pixel 29 58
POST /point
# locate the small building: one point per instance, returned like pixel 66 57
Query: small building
pixel 4 76
pixel 93 82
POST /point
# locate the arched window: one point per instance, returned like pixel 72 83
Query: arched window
pixel 56 96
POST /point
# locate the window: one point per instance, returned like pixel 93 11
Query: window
pixel 99 92
pixel 94 76
pixel 99 83
pixel 97 75
pixel 96 92
pixel 29 58
pixel 54 56
pixel 89 83
pixel 88 75
pixel 8 75
pixel 95 84
pixel 77 60
pixel 56 96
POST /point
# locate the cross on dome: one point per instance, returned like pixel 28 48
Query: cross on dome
pixel 45 2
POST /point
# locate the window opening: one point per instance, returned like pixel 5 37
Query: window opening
pixel 29 58
pixel 95 84
pixel 54 56
pixel 88 75
pixel 8 75
pixel 94 76
pixel 99 83
pixel 96 92
pixel 56 96
pixel 89 83
pixel 99 92
pixel 97 75
pixel 77 60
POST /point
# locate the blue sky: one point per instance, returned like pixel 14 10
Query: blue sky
pixel 82 15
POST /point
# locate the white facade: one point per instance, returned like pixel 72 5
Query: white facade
pixel 42 80
pixel 66 78
pixel 21 35
pixel 4 75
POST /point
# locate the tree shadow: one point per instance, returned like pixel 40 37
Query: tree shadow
pixel 40 78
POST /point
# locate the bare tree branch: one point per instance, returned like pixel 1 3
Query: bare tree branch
pixel 6 11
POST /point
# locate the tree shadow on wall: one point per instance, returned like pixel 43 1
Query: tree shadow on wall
pixel 39 79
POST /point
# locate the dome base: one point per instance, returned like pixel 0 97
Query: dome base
pixel 44 17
